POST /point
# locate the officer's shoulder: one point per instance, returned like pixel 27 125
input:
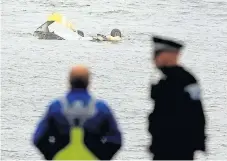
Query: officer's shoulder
pixel 188 77
pixel 192 86
pixel 102 106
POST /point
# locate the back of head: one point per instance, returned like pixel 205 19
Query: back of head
pixel 79 77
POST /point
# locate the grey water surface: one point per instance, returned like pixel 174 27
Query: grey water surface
pixel 34 72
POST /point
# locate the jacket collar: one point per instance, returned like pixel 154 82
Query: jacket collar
pixel 79 91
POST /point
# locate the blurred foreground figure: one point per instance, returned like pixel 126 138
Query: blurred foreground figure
pixel 77 126
pixel 177 123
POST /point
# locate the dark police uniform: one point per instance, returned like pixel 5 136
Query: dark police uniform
pixel 177 123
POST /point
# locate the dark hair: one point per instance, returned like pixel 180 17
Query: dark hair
pixel 79 82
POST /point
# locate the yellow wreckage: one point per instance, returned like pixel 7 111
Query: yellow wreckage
pixel 57 17
pixel 50 30
pixel 75 150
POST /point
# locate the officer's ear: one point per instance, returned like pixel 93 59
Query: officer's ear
pixel 177 53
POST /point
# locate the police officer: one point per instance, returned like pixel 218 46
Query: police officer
pixel 177 122
pixel 78 126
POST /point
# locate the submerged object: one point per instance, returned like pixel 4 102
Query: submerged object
pixel 58 27
pixel 115 35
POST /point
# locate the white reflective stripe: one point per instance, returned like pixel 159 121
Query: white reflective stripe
pixel 77 110
pixel 64 102
pixel 92 105
pixel 194 91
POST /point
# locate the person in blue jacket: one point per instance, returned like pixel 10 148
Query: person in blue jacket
pixel 78 126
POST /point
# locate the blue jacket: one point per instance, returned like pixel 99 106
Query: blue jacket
pixel 101 126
